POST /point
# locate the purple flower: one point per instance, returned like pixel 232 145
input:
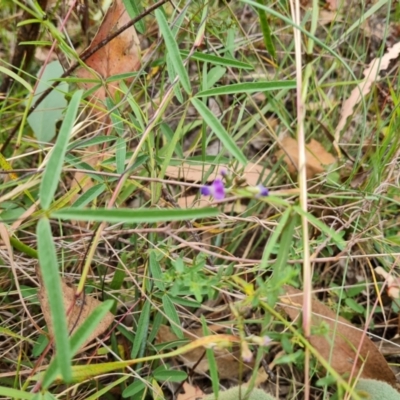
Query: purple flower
pixel 216 189
pixel 264 192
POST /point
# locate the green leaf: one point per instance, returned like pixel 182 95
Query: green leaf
pixel 133 8
pixel 169 375
pixel 89 195
pixel 269 45
pixel 120 155
pixel 15 393
pixel 52 172
pixel 173 50
pixel 215 60
pixel 134 216
pixel 142 329
pixel 134 389
pixel 155 270
pixel 172 315
pixel 212 121
pixel 52 283
pixel 248 87
pixel 44 118
pixel 17 78
pixel 91 142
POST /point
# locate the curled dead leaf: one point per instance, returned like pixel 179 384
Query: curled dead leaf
pixel 82 308
pixel 371 74
pixel 316 156
pixel 121 55
pixel 339 345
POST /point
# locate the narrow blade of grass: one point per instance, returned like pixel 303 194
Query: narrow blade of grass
pixel 15 393
pixel 248 87
pixel 51 280
pixel 172 315
pixel 173 50
pixel 79 337
pixel 216 60
pixel 212 121
pixel 134 216
pixel 17 78
pixel 51 175
pixel 142 329
pixel 269 45
pixel 340 242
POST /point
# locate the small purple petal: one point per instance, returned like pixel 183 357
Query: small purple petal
pixel 263 191
pixel 218 189
pixel 206 190
pixel 223 172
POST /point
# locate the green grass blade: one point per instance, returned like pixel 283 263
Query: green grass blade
pixel 134 216
pixel 269 45
pixel 216 60
pixel 15 393
pixel 142 329
pixel 173 50
pixel 212 121
pixel 17 78
pixel 248 87
pixel 120 155
pixel 338 239
pixel 51 175
pixel 134 9
pixel 79 337
pixel 172 315
pixel 52 283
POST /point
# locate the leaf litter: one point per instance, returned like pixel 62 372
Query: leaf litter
pixel 80 311
pixel 317 158
pixel 229 363
pixel 121 55
pixel 364 87
pixel 339 343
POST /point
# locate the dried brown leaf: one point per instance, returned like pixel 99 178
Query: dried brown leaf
pixel 326 17
pixel 316 156
pixel 120 55
pixel 190 393
pixel 339 346
pixel 82 308
pixel 253 173
pixel 229 363
pixel 363 88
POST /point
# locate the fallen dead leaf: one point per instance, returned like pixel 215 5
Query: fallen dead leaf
pixel 363 88
pixel 121 55
pixel 190 393
pixel 316 156
pixel 326 17
pixel 79 313
pixel 252 173
pixel 229 363
pixel 339 346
